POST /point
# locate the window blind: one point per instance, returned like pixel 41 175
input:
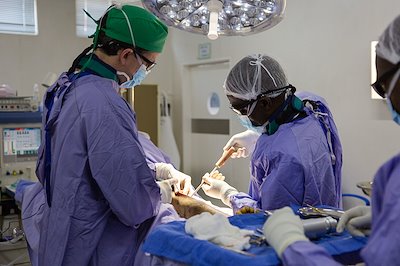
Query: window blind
pixel 85 26
pixel 18 17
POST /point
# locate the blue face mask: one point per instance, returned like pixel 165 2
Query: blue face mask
pixel 139 76
pixel 245 121
pixel 395 115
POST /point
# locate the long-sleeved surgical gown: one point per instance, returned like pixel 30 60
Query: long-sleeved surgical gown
pixel 299 164
pixel 152 152
pixel 103 193
pixel 382 247
pixel 32 197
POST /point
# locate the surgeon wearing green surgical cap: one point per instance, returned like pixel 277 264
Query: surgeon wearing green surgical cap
pixel 129 39
pixel 100 194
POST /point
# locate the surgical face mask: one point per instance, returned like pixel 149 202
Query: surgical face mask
pixel 246 122
pixel 137 78
pixel 395 115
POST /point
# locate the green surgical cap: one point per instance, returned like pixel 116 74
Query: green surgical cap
pixel 149 32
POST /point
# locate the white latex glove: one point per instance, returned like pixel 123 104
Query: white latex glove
pixel 357 221
pixel 244 142
pixel 218 189
pixel 282 229
pixel 166 189
pixel 166 171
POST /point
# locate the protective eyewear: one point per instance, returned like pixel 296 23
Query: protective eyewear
pixel 248 107
pixel 149 64
pixel 379 85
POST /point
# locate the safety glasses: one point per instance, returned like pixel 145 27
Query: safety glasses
pixel 248 107
pixel 149 64
pixel 379 85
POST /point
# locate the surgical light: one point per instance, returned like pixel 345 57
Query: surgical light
pixel 219 17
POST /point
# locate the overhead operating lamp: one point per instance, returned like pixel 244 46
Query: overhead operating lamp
pixel 216 17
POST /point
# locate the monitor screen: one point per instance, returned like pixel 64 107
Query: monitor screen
pixel 21 143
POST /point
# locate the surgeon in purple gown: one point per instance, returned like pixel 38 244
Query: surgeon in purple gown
pixel 100 193
pixel 283 229
pixel 297 157
pixel 32 197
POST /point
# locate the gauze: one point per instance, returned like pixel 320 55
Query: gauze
pixel 217 229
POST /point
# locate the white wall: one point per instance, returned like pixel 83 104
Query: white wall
pixel 25 60
pixel 324 46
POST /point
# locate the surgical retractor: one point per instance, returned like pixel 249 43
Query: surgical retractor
pixel 225 156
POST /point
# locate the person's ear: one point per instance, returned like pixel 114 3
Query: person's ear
pixel 124 54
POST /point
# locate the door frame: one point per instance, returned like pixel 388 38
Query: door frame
pixel 186 107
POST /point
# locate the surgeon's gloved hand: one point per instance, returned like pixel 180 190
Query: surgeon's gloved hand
pixel 282 229
pixel 357 221
pixel 166 189
pixel 166 171
pixel 217 188
pixel 244 142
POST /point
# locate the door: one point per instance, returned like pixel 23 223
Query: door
pixel 209 131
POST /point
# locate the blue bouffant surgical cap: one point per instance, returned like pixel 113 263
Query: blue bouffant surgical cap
pixel 388 46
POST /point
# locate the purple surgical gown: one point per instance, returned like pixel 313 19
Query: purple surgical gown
pixel 297 164
pixel 152 152
pixel 383 243
pixel 33 200
pixel 102 189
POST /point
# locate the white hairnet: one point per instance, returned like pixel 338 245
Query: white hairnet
pixel 254 75
pixel 388 46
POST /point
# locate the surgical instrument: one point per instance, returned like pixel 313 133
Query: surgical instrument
pixel 311 211
pixel 225 156
pixel 258 238
pixel 317 227
pixel 238 251
pixel 366 187
pixel 314 228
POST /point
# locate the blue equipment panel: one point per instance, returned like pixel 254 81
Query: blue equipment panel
pixel 20 117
